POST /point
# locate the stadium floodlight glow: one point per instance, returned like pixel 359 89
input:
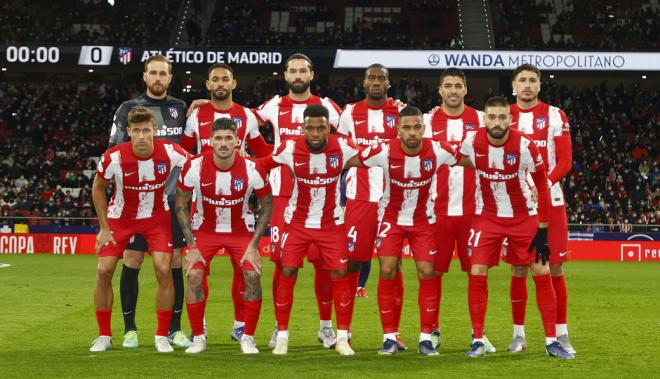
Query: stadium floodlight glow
pixel 90 70
pixel 187 72
pixel 4 69
pixel 643 76
pixel 275 73
pixel 111 2
pixel 610 15
pixel 552 76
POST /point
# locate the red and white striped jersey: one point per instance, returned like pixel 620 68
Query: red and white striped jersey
pixel 199 125
pixel 543 123
pixel 140 183
pixel 409 179
pixel 315 198
pixel 456 185
pixel 502 188
pixel 286 116
pixel 221 197
pixel 367 126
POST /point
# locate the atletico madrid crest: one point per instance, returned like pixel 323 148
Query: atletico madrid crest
pixel 333 161
pixel 511 158
pixel 174 112
pixel 161 168
pixel 390 121
pixel 238 184
pixel 540 123
pixel 428 164
pixel 238 121
pixel 351 247
pixel 470 127
pixel 125 55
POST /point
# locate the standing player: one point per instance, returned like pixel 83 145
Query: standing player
pixel 368 123
pixel 140 169
pixel 222 182
pixel 170 118
pixel 409 164
pixel 456 186
pixel 221 83
pixel 503 158
pixel 314 216
pixel 285 113
pixel 549 128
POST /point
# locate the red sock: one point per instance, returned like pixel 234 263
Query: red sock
pixel 547 303
pixel 387 306
pixel 559 284
pixel 284 301
pixel 252 310
pixel 205 285
pixel 518 293
pixel 436 322
pixel 196 317
pixel 323 289
pixel 237 291
pixel 164 320
pixel 478 302
pixel 428 303
pixel 276 282
pixel 103 320
pixel 343 299
pixel 353 278
pixel 398 300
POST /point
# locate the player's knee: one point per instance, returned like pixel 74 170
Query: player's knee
pixel 133 258
pixel 519 271
pixel 195 278
pixel 163 273
pixel 289 271
pixel 540 269
pixel 176 258
pixel 556 269
pixel 479 270
pixel 388 272
pixel 425 271
pixel 104 273
pixel 252 285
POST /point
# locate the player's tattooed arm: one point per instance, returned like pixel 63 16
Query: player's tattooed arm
pixel 353 162
pixel 252 253
pixel 466 162
pixel 182 210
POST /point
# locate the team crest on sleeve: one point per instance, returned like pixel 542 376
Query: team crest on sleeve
pixel 238 184
pixel 238 121
pixel 161 167
pixel 390 121
pixel 470 127
pixel 351 247
pixel 511 158
pixel 540 123
pixel 428 164
pixel 174 112
pixel 333 161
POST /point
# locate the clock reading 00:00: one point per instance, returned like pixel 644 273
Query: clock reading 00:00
pixel 41 54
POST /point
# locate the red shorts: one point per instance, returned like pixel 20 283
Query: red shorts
pixel 421 240
pixel 488 234
pixel 361 222
pixel 558 235
pixel 277 228
pixel 296 242
pixel 157 231
pixel 452 231
pixel 209 244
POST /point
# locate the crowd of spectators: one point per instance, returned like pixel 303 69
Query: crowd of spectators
pixel 577 25
pixel 87 21
pixel 51 135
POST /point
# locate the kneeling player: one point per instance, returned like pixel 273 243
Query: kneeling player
pixel 503 157
pixel 222 182
pixel 139 169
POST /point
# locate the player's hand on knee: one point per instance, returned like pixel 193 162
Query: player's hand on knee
pixel 252 256
pixel 103 238
pixel 193 255
pixel 540 242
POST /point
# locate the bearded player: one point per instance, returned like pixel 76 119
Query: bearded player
pixel 285 113
pixel 549 128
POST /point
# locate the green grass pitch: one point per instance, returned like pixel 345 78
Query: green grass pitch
pixel 47 324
